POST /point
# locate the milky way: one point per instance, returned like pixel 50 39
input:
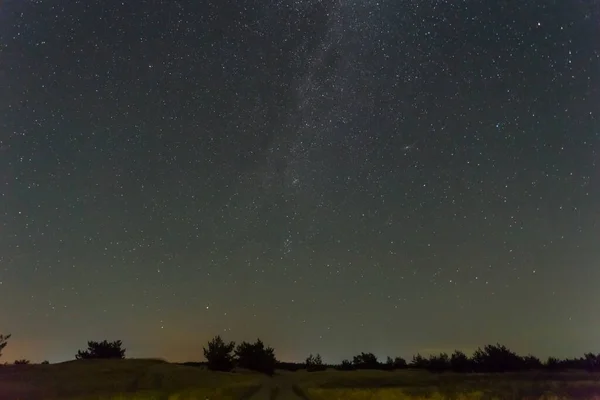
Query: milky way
pixel 334 177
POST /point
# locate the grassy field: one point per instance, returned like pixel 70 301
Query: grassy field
pixel 420 385
pixel 122 379
pixel 148 379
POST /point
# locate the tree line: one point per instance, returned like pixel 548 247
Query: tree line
pixel 225 356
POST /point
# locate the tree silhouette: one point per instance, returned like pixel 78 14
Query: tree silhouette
pixel 531 362
pixel 438 363
pixel 22 362
pixel 218 354
pixel 314 363
pixel 3 342
pixel 366 361
pixel 346 365
pixel 389 364
pixel 496 358
pixel 418 361
pixel 460 362
pixel 255 356
pixel 102 349
pixel 592 362
pixel 399 363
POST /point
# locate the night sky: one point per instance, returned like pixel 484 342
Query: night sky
pixel 394 176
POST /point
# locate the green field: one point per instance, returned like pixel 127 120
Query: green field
pixel 150 379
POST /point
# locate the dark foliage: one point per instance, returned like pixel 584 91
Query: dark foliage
pixel 591 362
pixel 393 363
pixel 219 355
pixel 255 356
pixel 460 362
pixel 346 365
pixel 290 366
pixel 497 358
pixel 315 363
pixel 418 361
pixel 439 363
pixel 3 342
pixel 45 362
pixel 102 349
pixel 22 362
pixel 366 361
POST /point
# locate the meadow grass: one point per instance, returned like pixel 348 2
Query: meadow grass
pixel 420 385
pixel 159 380
pixel 121 379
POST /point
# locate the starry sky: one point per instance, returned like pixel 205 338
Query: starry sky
pixel 332 176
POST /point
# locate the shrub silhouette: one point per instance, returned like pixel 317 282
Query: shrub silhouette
pixel 366 361
pixel 255 356
pixel 218 354
pixel 315 363
pixel 346 365
pixel 460 362
pixel 22 362
pixel 496 358
pixel 3 342
pixel 389 364
pixel 418 361
pixel 438 363
pixel 552 363
pixel 45 362
pixel 531 362
pixel 102 349
pixel 592 362
pixel 399 363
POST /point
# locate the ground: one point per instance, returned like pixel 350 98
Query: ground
pixel 158 380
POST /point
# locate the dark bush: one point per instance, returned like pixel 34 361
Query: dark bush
pixel 460 362
pixel 418 361
pixel 496 358
pixel 438 363
pixel 102 349
pixel 346 365
pixel 315 363
pixel 366 361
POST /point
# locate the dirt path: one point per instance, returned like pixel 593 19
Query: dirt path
pixel 279 387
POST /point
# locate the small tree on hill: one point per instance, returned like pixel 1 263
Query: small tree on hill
pixel 218 354
pixel 315 363
pixel 3 342
pixel 256 356
pixel 22 362
pixel 102 349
